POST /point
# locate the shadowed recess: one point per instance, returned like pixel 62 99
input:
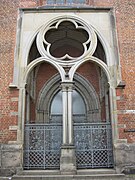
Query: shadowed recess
pixel 66 40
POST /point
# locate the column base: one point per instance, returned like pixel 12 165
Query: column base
pixel 68 160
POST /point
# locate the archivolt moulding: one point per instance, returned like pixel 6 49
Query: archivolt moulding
pixel 93 59
pixel 51 87
pixel 40 60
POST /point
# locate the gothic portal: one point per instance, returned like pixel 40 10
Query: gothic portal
pixel 67 89
pixel 67 122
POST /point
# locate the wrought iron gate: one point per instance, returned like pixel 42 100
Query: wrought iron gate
pixel 42 146
pixel 43 141
pixel 93 145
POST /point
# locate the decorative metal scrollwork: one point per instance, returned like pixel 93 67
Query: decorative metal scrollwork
pixel 42 147
pixel 93 144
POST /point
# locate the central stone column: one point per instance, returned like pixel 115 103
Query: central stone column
pixel 68 159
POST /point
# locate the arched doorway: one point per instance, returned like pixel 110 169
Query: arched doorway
pixel 92 132
pixel 42 135
pixel 71 109
pixel 91 128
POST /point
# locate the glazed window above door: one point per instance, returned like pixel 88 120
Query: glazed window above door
pixel 64 2
pixel 79 108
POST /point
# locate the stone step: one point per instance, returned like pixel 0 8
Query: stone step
pixel 57 172
pixel 71 177
pixel 96 171
pixel 38 172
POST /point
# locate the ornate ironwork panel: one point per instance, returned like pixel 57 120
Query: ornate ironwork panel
pixel 93 145
pixel 42 146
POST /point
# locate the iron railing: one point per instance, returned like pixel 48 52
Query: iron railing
pixel 42 146
pixel 93 144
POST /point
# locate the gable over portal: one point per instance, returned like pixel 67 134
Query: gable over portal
pixel 98 25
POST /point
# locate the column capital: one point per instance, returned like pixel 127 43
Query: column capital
pixel 67 86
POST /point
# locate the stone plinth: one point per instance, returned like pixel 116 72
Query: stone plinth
pixel 68 160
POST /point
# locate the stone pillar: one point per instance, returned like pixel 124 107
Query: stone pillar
pixel 70 120
pixel 107 107
pixel 65 113
pixel 28 108
pixel 21 115
pixel 67 160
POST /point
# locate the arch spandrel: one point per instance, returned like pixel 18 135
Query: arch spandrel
pixel 38 61
pixel 99 62
pixel 60 63
pixel 112 59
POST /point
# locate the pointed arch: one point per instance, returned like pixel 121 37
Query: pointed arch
pixel 38 61
pixel 52 86
pixel 99 62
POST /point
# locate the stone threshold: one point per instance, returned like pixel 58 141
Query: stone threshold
pixel 71 177
pixel 57 172
pixel 82 174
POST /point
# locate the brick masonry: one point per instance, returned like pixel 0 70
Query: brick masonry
pixel 124 11
pixel 46 71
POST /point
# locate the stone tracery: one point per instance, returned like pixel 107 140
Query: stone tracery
pixel 66 39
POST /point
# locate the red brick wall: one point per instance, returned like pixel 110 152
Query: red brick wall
pixel 8 113
pixel 45 72
pixel 125 15
pixel 8 102
pixel 89 71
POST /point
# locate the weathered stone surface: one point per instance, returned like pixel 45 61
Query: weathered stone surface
pixel 68 160
pixel 72 177
pixel 125 157
pixel 7 172
pixel 10 159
